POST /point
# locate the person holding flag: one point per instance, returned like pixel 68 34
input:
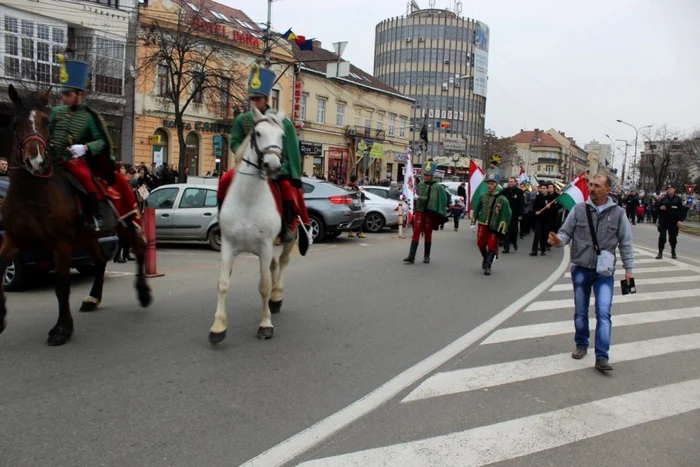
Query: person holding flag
pixel 492 214
pixel 429 212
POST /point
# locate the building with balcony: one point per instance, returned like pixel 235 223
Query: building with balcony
pixel 574 158
pixel 440 59
pixel 237 43
pixel 542 155
pixel 355 124
pixel 33 33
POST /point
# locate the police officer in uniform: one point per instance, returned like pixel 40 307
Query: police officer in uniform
pixel 671 215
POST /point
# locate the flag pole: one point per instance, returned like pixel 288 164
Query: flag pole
pixel 268 44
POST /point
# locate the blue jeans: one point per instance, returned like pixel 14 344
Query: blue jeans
pixel 584 280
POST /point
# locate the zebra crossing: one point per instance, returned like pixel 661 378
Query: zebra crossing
pixel 462 414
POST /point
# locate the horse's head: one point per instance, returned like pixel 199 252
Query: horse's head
pixel 267 140
pixel 31 129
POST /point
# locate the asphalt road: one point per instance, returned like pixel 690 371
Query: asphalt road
pixel 143 387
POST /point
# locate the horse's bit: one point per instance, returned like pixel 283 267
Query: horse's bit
pixel 273 148
pixel 21 142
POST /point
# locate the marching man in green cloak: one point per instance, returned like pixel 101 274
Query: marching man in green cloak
pixel 429 212
pixel 492 214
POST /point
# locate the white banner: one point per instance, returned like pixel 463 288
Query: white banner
pixel 481 59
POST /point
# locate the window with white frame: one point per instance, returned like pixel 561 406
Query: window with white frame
pixel 275 99
pixel 356 116
pixel 402 128
pixel 340 115
pixel 549 169
pixel 321 110
pixel 380 122
pixel 304 98
pixel 224 90
pixel 106 59
pixel 30 50
pixel 392 124
pixel 163 81
pixel 197 82
pixel 368 120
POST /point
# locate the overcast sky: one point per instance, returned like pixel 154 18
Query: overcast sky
pixel 576 66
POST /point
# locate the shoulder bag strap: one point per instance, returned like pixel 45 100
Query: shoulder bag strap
pixel 592 230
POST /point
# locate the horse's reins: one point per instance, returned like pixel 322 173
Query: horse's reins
pixel 273 148
pixel 31 136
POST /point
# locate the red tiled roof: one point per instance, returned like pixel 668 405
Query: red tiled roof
pixel 536 139
pixel 318 58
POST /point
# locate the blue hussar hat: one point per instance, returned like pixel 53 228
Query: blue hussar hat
pixel 429 168
pixel 74 74
pixel 260 82
pixel 494 174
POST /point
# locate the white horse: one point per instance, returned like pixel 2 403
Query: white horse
pixel 250 222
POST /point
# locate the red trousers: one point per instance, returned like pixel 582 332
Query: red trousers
pixel 486 240
pixel 422 223
pixel 79 169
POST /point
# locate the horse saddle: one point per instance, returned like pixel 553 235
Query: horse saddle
pixel 106 211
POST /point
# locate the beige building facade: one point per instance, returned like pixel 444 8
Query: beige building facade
pixel 541 154
pixel 350 125
pixel 574 158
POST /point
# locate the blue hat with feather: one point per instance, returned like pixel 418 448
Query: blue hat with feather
pixel 494 174
pixel 260 81
pixel 429 168
pixel 74 74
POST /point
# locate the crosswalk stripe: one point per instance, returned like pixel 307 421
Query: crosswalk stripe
pixel 470 379
pixel 617 300
pixel 621 272
pixel 533 331
pixel 660 280
pixel 646 261
pixel 528 435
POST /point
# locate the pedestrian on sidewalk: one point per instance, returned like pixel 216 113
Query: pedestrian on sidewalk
pixel 492 214
pixel 593 263
pixel 516 199
pixel 429 212
pixel 671 215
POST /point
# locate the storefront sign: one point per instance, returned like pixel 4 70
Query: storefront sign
pixel 310 149
pixel 201 126
pixel 373 149
pixel 337 153
pixel 217 29
pixel 400 157
pixel 298 90
pixel 454 144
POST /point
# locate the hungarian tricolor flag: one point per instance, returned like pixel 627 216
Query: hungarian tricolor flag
pixel 409 189
pixel 576 192
pixel 476 185
pixel 522 176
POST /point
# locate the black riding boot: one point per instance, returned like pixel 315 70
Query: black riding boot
pixel 484 254
pixel 411 258
pixel 426 254
pixel 94 213
pixel 489 263
pixel 287 220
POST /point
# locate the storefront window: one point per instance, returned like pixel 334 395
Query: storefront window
pixel 318 166
pixel 160 151
pixel 192 153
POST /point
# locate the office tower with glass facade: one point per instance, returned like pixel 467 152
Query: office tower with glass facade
pixel 441 60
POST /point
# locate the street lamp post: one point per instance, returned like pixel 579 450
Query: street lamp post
pixel 612 146
pixel 636 136
pixel 624 161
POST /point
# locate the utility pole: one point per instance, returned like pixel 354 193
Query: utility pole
pixel 268 42
pixel 624 162
pixel 127 135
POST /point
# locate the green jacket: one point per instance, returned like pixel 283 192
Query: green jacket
pixel 432 197
pixel 492 211
pixel 78 125
pixel 291 161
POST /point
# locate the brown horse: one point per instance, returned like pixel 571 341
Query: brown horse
pixel 42 211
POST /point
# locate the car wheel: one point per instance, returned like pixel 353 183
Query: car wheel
pixel 214 239
pixel 88 270
pixel 374 222
pixel 317 228
pixel 15 276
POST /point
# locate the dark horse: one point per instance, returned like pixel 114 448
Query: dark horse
pixel 42 211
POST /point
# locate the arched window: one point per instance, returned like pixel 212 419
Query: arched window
pixel 223 160
pixel 160 150
pixel 192 153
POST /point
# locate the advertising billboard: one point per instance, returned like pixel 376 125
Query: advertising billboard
pixel 481 58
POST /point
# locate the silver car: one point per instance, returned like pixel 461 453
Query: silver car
pixel 332 209
pixel 186 212
pixel 380 212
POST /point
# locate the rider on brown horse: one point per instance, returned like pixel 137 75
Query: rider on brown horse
pixel 80 143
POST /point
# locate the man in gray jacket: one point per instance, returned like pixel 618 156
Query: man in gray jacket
pixel 612 230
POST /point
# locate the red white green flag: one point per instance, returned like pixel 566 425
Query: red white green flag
pixel 576 192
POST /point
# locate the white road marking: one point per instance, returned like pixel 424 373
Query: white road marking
pixel 515 438
pixel 305 440
pixel 470 379
pixel 618 299
pixel 659 280
pixel 621 272
pixel 534 331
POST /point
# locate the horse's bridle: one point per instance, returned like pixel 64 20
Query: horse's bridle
pixel 272 149
pixel 21 142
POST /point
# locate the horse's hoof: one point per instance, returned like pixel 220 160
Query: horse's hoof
pixel 89 304
pixel 59 335
pixel 145 297
pixel 265 333
pixel 216 337
pixel 275 307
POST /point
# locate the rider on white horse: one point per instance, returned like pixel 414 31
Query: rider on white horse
pixel 289 181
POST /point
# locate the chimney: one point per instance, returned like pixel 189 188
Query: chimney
pixel 317 44
pixel 537 130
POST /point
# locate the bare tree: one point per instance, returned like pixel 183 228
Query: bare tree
pixel 192 64
pixel 504 147
pixel 691 148
pixel 663 161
